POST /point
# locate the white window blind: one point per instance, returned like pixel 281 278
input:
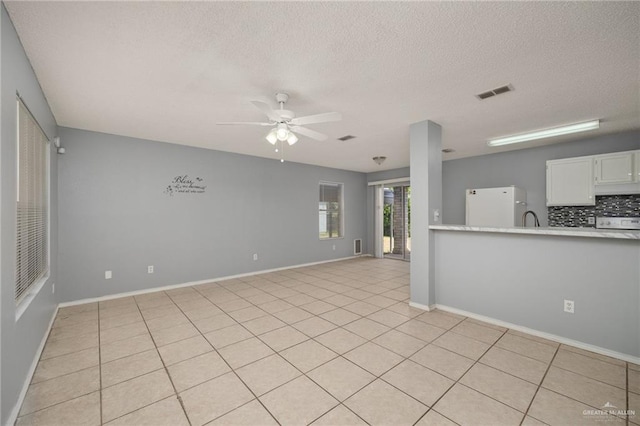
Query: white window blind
pixel 330 209
pixel 32 245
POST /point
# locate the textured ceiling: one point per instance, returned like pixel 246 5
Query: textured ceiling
pixel 168 71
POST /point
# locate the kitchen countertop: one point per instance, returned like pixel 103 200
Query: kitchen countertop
pixel 562 232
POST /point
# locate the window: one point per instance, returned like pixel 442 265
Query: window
pixel 32 239
pixel 331 207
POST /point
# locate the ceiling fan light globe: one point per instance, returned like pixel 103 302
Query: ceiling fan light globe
pixel 292 139
pixel 282 134
pixel 272 137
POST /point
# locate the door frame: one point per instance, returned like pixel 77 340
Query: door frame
pixel 378 206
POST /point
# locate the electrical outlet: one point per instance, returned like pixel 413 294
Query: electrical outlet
pixel 150 269
pixel 569 306
pixel 107 275
pixel 591 220
pixel 255 256
pixel 334 247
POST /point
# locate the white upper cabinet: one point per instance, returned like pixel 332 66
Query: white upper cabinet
pixel 570 182
pixel 614 168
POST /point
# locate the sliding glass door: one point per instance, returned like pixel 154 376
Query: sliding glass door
pixel 396 223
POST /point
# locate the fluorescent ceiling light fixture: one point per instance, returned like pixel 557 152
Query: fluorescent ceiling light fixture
pixel 546 133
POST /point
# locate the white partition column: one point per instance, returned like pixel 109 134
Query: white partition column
pixel 426 206
pixel 378 248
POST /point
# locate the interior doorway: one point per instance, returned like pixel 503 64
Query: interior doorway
pixel 396 223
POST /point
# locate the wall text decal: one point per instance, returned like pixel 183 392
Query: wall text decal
pixel 183 184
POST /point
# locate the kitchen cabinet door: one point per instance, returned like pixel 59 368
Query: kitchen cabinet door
pixel 614 168
pixel 570 182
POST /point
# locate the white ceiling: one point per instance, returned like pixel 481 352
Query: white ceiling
pixel 168 71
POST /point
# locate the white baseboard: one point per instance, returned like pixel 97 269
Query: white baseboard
pixel 544 335
pixel 192 283
pixel 13 416
pixel 421 306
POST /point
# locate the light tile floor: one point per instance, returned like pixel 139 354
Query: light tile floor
pixel 333 344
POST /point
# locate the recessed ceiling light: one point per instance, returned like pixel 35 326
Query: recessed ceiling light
pixel 546 133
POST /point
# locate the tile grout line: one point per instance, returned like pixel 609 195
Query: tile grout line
pixel 166 370
pixel 581 375
pixel 338 354
pixel 228 365
pixel 558 349
pixel 135 377
pixel 580 402
pixel 431 407
pixel 592 355
pixel 309 338
pixel 346 359
pixel 540 385
pixel 53 378
pixel 66 400
pixel 591 378
pixel 455 382
pixel 68 353
pixel 67 374
pixel 100 364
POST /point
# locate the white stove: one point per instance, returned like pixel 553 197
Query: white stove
pixel 618 223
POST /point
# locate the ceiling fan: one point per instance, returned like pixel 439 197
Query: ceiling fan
pixel 285 124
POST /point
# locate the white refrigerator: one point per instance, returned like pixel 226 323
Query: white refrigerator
pixel 496 207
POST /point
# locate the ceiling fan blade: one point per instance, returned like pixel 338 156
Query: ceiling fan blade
pixel 249 123
pixel 317 118
pixel 266 108
pixel 309 133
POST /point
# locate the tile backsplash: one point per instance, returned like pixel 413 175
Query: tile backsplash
pixel 606 205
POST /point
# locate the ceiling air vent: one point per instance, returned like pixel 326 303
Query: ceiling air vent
pixel 346 138
pixel 494 92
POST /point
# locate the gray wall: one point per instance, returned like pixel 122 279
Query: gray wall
pixel 20 338
pixel 114 214
pixel 504 283
pixel 524 168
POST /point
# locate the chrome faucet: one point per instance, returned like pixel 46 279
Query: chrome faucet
pixel 536 222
